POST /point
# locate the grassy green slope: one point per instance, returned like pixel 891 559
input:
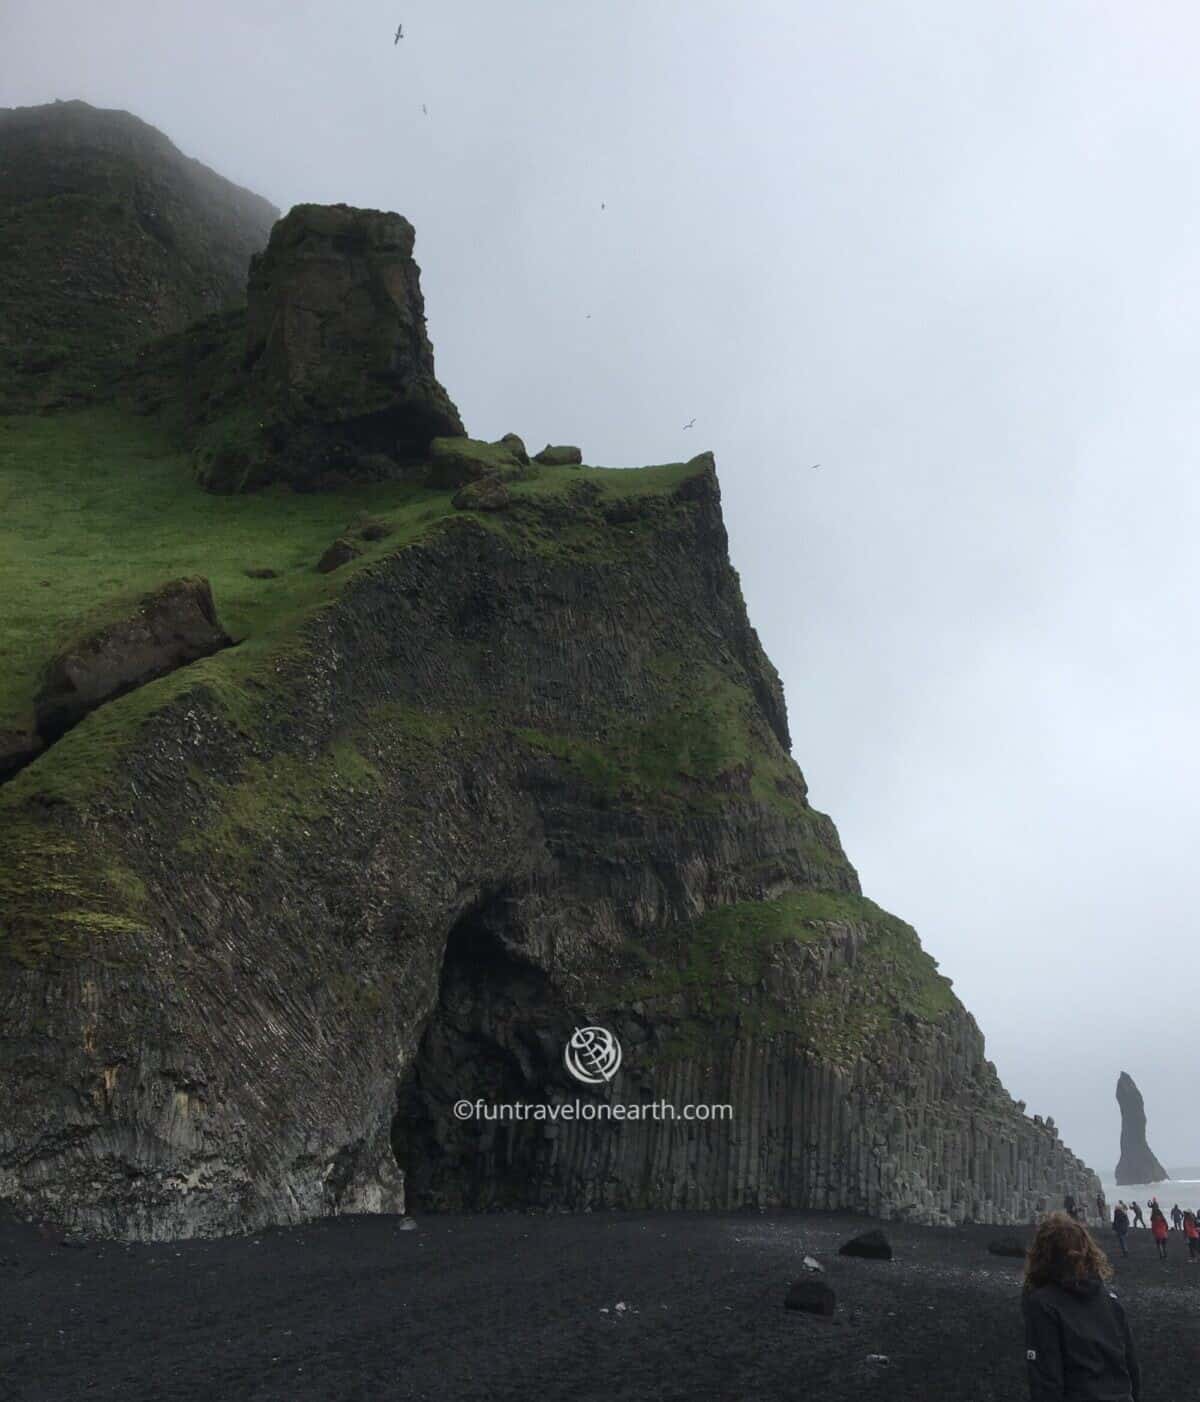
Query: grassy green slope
pixel 98 505
pixel 95 506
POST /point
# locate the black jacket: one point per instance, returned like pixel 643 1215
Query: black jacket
pixel 1078 1346
pixel 1120 1222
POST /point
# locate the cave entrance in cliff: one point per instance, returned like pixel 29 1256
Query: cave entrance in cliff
pixel 495 1036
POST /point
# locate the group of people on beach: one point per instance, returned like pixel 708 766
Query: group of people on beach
pixel 1182 1221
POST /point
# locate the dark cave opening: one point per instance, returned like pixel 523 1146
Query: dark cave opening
pixel 496 1037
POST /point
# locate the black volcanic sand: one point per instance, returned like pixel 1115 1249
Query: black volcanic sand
pixel 513 1307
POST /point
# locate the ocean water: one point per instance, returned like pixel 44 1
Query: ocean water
pixel 1184 1190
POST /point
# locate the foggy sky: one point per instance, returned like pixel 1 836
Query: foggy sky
pixel 951 253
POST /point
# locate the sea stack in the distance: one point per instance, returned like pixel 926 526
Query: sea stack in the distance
pixel 1137 1163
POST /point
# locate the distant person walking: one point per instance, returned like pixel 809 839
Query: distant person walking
pixel 1191 1233
pixel 1138 1219
pixel 1101 1207
pixel 1077 1340
pixel 1069 1205
pixel 1177 1217
pixel 1120 1225
pixel 1158 1225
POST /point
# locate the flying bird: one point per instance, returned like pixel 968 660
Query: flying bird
pixel 688 425
pixel 424 109
pixel 603 205
pixel 814 466
pixel 399 35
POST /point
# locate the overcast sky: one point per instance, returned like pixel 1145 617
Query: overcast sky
pixel 950 252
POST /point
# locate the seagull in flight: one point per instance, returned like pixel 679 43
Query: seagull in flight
pixel 424 109
pixel 399 35
pixel 689 424
pixel 814 467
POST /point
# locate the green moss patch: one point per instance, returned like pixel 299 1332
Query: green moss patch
pixel 706 744
pixel 63 895
pixel 720 967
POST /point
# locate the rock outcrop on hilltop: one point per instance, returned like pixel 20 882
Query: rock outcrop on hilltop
pixel 109 237
pixel 336 338
pixel 1137 1163
pixel 326 378
pixel 518 765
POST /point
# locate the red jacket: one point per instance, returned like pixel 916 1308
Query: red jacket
pixel 1190 1228
pixel 1158 1226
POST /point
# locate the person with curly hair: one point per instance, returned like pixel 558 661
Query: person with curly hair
pixel 1078 1347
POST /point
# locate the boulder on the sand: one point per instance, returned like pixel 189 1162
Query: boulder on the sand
pixel 1006 1246
pixel 487 494
pixel 516 446
pixel 173 625
pixel 371 528
pixel 559 455
pixel 1137 1163
pixel 811 1296
pixel 872 1245
pixel 456 461
pixel 340 553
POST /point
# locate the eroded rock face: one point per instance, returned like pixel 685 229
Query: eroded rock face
pixel 498 789
pixel 456 461
pixel 559 455
pixel 1137 1163
pixel 164 630
pixel 17 749
pixel 337 346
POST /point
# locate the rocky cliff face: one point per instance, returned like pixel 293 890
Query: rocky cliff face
pixel 109 236
pixel 1137 1163
pixel 525 773
pixel 518 764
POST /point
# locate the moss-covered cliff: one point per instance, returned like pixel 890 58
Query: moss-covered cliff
pixel 109 236
pixel 504 772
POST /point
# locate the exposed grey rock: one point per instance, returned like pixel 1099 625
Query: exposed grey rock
pixel 1137 1163
pixel 154 635
pixel 516 446
pixel 560 455
pixel 456 461
pixel 340 553
pixel 342 381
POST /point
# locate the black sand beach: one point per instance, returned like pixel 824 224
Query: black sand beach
pixel 522 1307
